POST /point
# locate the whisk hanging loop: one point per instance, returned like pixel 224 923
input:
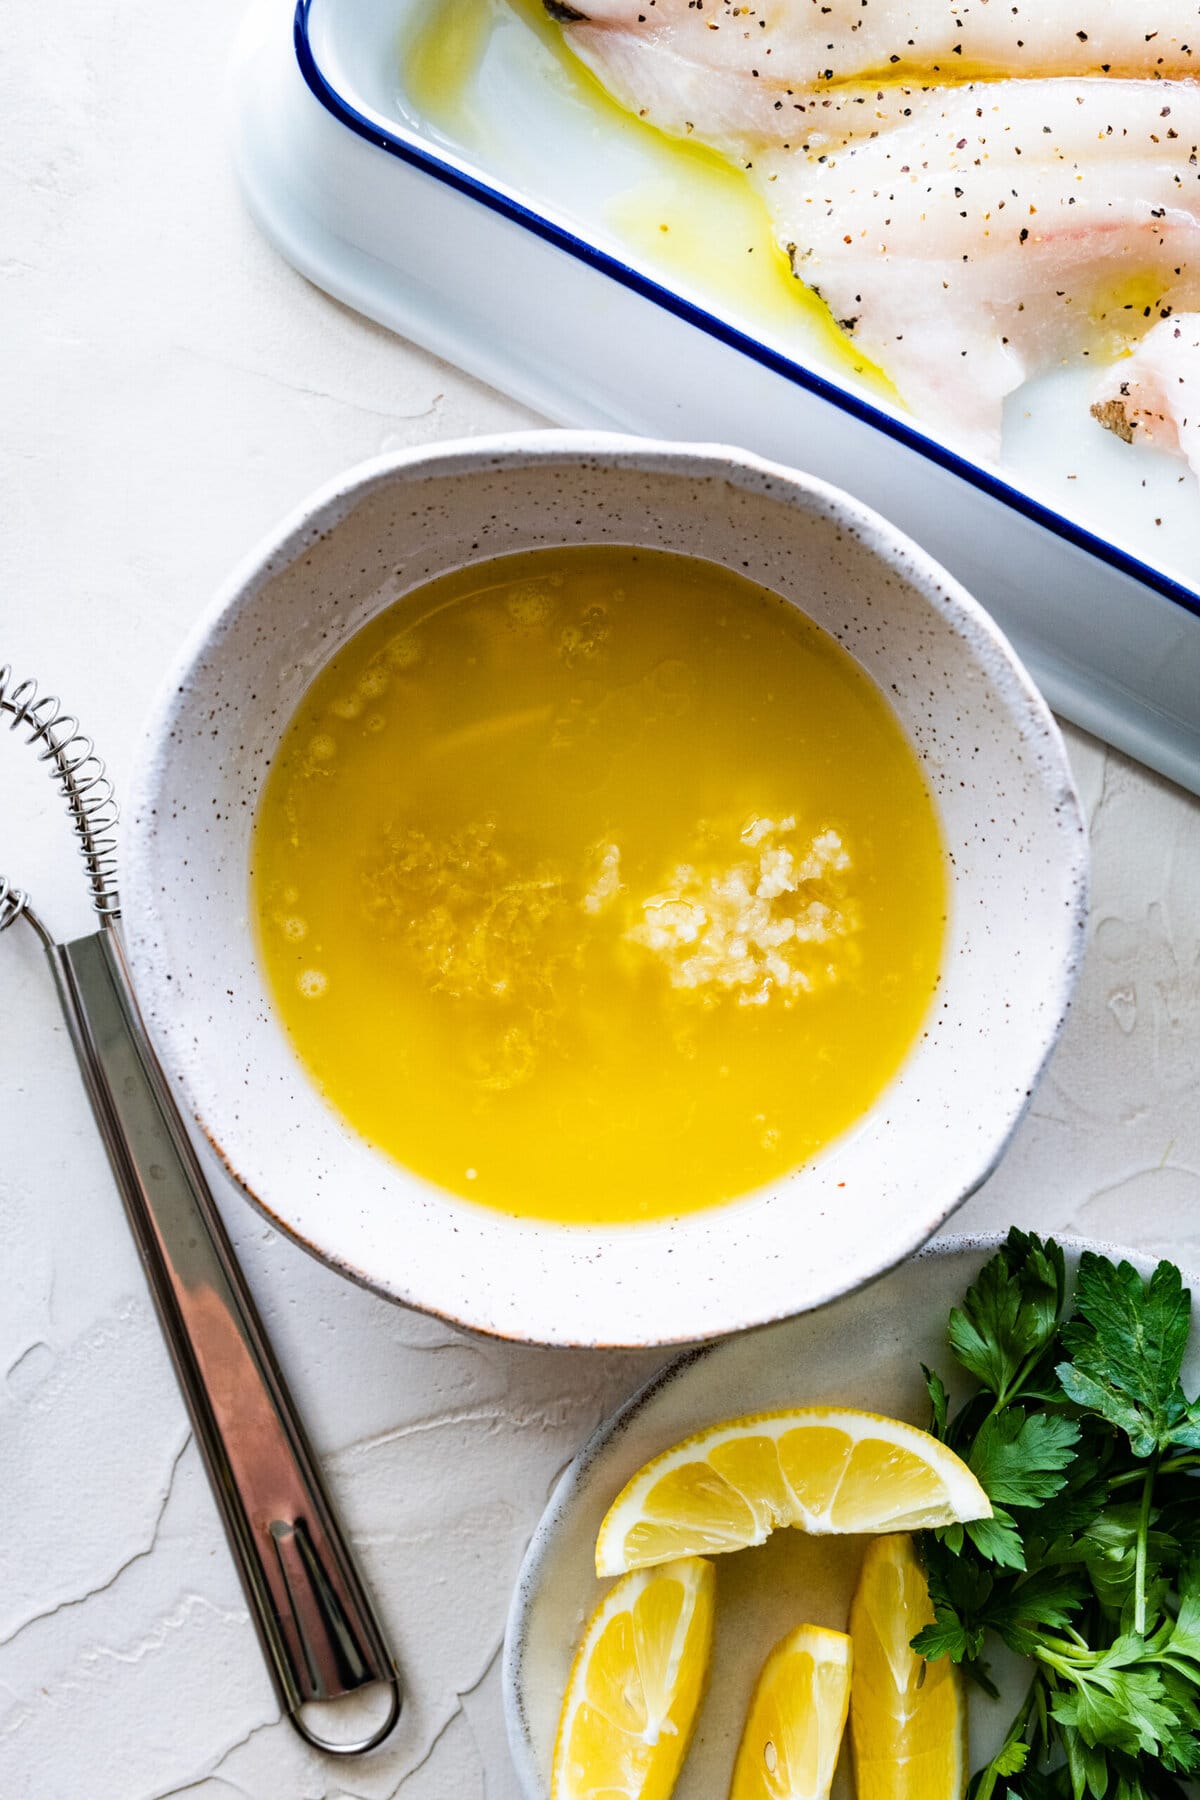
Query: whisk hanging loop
pixel 13 901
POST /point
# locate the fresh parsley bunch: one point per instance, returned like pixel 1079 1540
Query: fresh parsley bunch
pixel 1081 1434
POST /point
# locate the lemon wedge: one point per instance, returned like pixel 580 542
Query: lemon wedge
pixel 908 1718
pixel 797 1715
pixel 636 1686
pixel 820 1468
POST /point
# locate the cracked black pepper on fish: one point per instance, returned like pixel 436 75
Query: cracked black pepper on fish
pixel 978 192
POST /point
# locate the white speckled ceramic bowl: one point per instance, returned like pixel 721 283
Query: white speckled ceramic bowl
pixel 989 748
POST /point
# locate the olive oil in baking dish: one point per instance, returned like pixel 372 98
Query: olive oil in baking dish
pixel 598 884
pixel 689 215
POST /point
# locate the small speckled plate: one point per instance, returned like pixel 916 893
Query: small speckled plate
pixel 990 751
pixel 865 1351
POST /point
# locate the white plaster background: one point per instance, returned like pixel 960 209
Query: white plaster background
pixel 170 389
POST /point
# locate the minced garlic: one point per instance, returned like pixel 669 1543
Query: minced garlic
pixel 606 884
pixel 777 922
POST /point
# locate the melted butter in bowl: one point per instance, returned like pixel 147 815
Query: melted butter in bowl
pixel 532 839
pixel 598 884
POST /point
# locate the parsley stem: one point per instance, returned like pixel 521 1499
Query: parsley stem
pixel 1013 1388
pixel 1001 1764
pixel 1174 1465
pixel 1143 1539
pixel 1059 1653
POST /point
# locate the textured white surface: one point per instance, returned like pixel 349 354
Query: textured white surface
pixel 171 388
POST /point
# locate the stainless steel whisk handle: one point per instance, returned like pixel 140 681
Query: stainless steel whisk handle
pixel 318 1632
pixel 317 1628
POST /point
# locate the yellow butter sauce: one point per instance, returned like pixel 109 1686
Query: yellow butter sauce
pixel 598 884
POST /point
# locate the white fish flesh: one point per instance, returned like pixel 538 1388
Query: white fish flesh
pixel 1154 396
pixel 991 230
pixel 739 75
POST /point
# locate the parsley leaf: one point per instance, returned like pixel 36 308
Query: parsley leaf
pixel 998 1539
pixel 1019 1457
pixel 1012 1759
pixel 1085 1492
pixel 1185 1634
pixel 938 1401
pixel 1046 1601
pixel 1089 1449
pixel 1010 1316
pixel 948 1636
pixel 1126 1349
pixel 1116 1699
pixel 1109 1547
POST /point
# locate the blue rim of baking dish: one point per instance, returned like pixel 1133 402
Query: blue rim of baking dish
pixel 508 207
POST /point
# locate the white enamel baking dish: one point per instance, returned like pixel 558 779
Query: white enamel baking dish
pixel 1086 552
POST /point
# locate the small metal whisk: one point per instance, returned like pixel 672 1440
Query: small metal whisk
pixel 317 1628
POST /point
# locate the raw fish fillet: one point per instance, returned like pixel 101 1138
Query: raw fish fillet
pixel 738 76
pixel 991 230
pixel 1154 396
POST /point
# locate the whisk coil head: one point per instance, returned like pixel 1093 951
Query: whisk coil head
pixel 83 783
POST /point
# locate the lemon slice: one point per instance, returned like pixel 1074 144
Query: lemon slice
pixel 821 1468
pixel 908 1718
pixel 797 1715
pixel 636 1686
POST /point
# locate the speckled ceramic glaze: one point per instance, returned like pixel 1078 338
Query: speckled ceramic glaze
pixel 991 753
pixel 865 1351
